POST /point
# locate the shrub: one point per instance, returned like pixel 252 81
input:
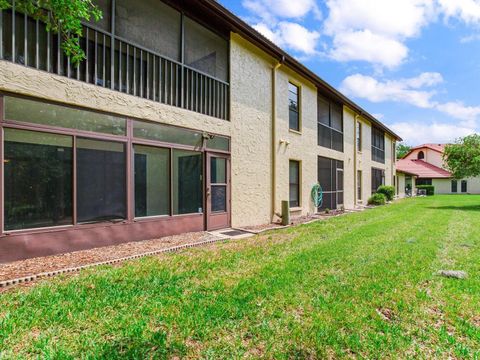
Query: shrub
pixel 388 191
pixel 377 199
pixel 430 189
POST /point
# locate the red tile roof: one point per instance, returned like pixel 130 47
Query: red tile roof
pixel 422 169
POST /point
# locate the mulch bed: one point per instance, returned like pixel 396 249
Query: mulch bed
pixel 34 266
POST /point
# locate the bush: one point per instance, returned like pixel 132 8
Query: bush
pixel 430 189
pixel 388 191
pixel 377 199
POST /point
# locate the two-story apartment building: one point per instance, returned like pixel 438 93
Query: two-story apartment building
pixel 182 118
pixel 424 165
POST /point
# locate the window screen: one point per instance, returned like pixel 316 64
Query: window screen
pixel 187 182
pixel 294 183
pixel 205 50
pixel 330 178
pixel 378 179
pixel 105 22
pixel 101 180
pixel 330 125
pixel 378 145
pixel 38 170
pixel 152 181
pixel 151 24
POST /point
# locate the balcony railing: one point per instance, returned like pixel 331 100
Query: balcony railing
pixel 115 63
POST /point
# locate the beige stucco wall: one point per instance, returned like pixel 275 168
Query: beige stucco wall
pixel 292 145
pixel 251 108
pixel 444 186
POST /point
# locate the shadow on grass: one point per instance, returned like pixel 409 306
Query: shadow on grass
pixel 459 207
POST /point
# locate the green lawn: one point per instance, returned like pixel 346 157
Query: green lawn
pixel 361 285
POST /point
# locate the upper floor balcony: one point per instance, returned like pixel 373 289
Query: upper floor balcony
pixel 143 48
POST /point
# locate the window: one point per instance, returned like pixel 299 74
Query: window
pixel 187 182
pixel 464 186
pixel 205 50
pixel 359 136
pixel 454 186
pixel 330 125
pixel 152 181
pixel 330 178
pixel 420 155
pixel 101 180
pixel 104 23
pixel 167 134
pixel 294 183
pixel 42 113
pixel 293 107
pixel 423 181
pixel 38 170
pixel 218 184
pixel 394 152
pixel 151 24
pixel 378 145
pixel 359 185
pixel 378 179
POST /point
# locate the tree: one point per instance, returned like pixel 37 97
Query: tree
pixel 462 158
pixel 62 17
pixel 402 150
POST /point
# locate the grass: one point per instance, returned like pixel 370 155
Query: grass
pixel 362 285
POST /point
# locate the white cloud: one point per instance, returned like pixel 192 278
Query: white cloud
pixel 269 9
pixel 414 133
pixel 415 91
pixel 404 90
pixel 391 18
pixel 458 110
pixel 375 31
pixel 465 10
pixel 370 47
pixel 291 36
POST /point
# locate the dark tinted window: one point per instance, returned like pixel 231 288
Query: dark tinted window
pixel 294 181
pixel 38 179
pixel 187 182
pixel 101 180
pixel 152 181
pixel 464 186
pixel 293 106
pixel 423 181
pixel 378 179
pixel 454 186
pixel 378 145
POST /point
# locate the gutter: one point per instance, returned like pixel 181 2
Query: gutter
pixel 274 137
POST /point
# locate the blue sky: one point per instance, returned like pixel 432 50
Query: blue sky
pixel 415 64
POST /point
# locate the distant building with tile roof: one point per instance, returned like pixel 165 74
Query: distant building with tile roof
pixel 424 165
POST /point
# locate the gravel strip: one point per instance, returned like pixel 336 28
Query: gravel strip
pixel 25 268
